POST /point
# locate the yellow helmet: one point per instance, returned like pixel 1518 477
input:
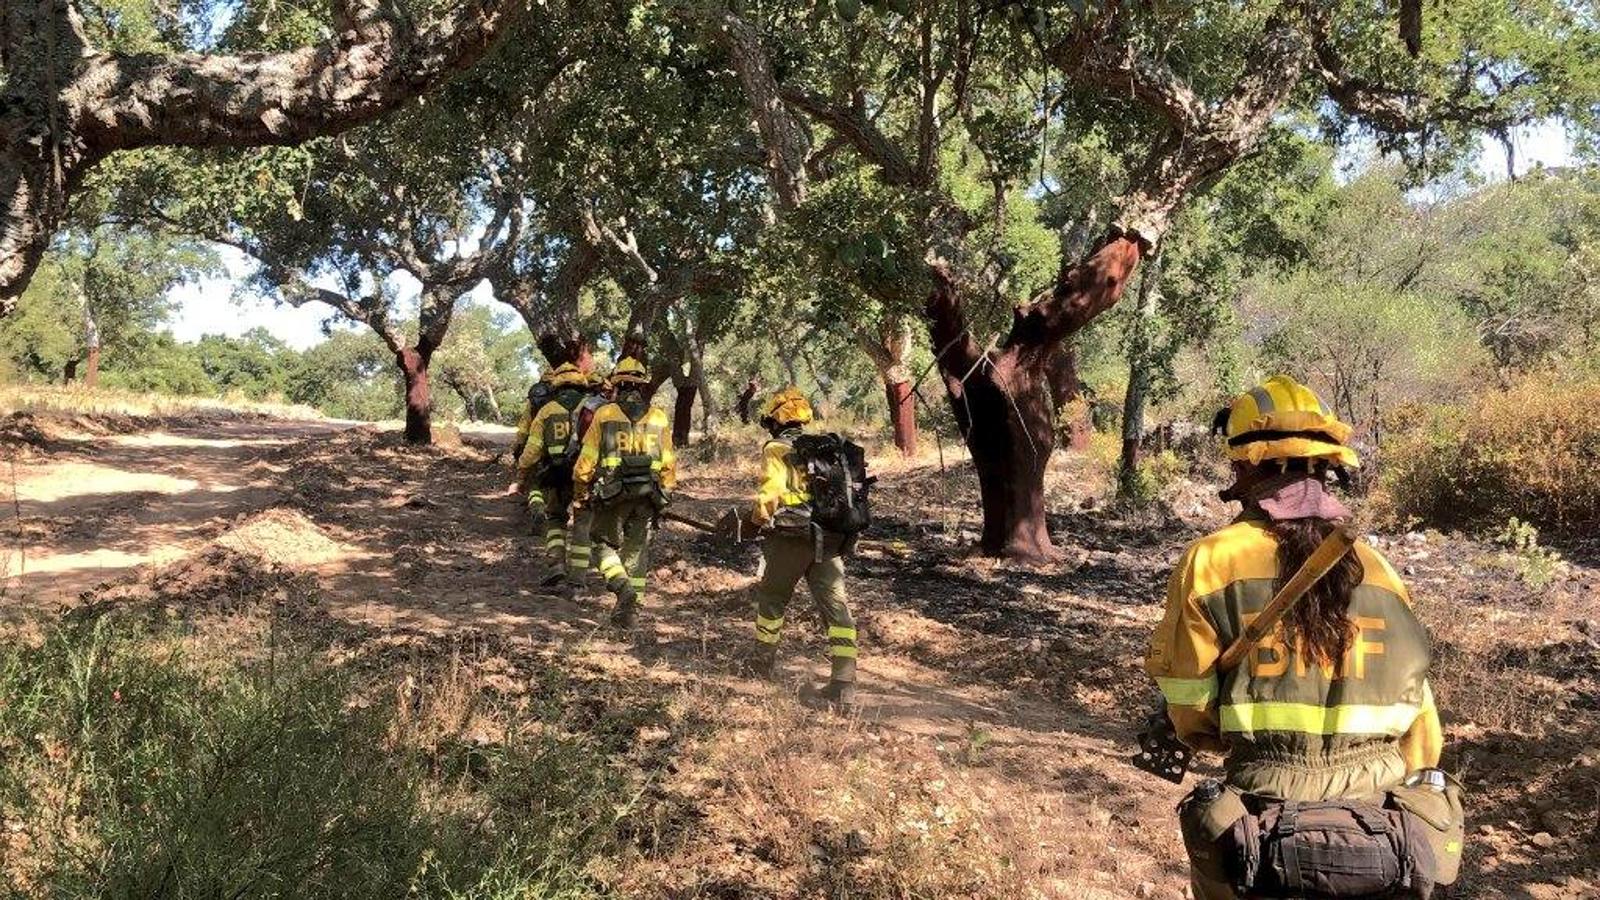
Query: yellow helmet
pixel 630 371
pixel 787 407
pixel 567 375
pixel 1283 419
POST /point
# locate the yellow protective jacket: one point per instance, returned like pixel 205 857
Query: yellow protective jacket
pixel 524 424
pixel 782 484
pixel 1276 701
pixel 554 419
pixel 613 442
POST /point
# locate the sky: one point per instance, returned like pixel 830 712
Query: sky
pixel 220 306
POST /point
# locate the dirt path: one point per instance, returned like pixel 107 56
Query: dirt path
pixel 1008 696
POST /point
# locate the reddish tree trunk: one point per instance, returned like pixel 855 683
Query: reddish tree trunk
pixel 1002 399
pixel 902 415
pixel 413 363
pixel 91 372
pixel 683 411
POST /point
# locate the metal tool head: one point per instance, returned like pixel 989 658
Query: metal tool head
pixel 1160 752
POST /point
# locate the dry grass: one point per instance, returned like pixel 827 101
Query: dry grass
pixel 79 400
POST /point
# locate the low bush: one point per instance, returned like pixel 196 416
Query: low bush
pixel 135 770
pixel 1530 452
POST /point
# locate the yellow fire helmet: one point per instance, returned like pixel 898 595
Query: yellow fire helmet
pixel 567 375
pixel 1283 419
pixel 787 407
pixel 630 371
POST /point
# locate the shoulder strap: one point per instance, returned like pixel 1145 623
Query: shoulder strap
pixel 1321 561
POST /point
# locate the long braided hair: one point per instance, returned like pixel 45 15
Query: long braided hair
pixel 1319 624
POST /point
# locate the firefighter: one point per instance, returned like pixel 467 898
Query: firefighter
pixel 624 475
pixel 538 394
pixel 544 470
pixel 796 547
pixel 580 547
pixel 1335 704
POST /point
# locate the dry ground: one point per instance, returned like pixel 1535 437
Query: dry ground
pixel 999 702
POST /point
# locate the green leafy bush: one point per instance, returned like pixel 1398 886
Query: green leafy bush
pixel 133 770
pixel 1530 452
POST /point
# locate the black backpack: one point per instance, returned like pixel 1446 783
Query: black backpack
pixel 836 477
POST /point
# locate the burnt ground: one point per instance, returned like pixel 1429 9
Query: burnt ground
pixel 999 701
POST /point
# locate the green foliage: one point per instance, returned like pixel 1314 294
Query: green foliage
pixel 1530 451
pixel 351 375
pixel 138 770
pixel 122 276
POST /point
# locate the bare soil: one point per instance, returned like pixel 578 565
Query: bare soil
pixel 999 702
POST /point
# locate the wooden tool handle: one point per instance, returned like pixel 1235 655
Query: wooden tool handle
pixel 1318 564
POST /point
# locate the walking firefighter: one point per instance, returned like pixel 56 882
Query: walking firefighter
pixel 1289 646
pixel 544 469
pixel 811 504
pixel 624 476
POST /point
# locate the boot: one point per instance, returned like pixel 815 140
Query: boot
pixel 759 661
pixel 626 612
pixel 841 697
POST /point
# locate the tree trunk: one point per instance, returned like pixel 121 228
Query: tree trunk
pixel 1002 398
pixel 902 414
pixel 413 362
pixel 1140 342
pixel 683 410
pixel 746 397
pixel 91 342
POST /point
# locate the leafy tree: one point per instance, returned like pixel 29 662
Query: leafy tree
pixel 84 80
pixel 932 98
pixel 349 375
pixel 115 280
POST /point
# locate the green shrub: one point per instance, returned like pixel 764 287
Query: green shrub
pixel 132 770
pixel 1530 452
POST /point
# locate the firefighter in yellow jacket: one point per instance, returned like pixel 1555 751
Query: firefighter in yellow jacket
pixel 796 548
pixel 625 474
pixel 545 467
pixel 1335 704
pixel 538 394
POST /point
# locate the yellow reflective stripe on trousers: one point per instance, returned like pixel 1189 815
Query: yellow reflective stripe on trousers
pixel 767 630
pixel 841 651
pixel 1188 691
pixel 1309 718
pixel 837 631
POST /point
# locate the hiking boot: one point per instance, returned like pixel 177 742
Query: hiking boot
pixel 838 697
pixel 759 661
pixel 553 579
pixel 626 613
pixel 841 697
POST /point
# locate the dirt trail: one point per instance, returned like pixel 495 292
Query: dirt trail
pixel 1018 689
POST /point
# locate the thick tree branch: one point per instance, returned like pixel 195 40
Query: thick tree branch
pixel 858 131
pixel 785 138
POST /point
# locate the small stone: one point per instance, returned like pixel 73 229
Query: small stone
pixel 1145 890
pixel 1543 840
pixel 1486 828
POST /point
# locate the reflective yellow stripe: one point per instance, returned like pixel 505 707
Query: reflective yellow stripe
pixel 611 462
pixel 637 581
pixel 837 631
pixel 1188 691
pixel 1309 718
pixel 767 630
pixel 842 652
pixel 655 465
pixel 794 498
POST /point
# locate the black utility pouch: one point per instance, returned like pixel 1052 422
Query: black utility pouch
pixel 1328 850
